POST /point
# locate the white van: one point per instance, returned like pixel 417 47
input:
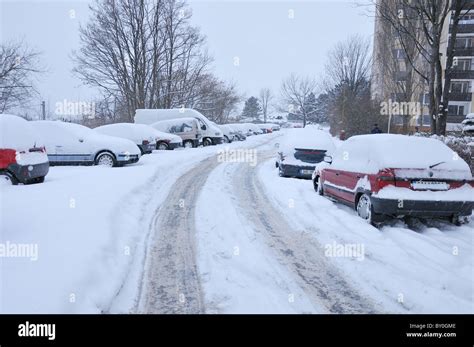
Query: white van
pixel 211 135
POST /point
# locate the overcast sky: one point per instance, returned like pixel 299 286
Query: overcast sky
pixel 270 39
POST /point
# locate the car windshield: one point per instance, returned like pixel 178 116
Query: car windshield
pixel 309 155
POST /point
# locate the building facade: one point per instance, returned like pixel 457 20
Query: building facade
pixel 395 82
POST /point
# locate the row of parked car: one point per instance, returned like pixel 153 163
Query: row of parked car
pixel 28 148
pixel 382 176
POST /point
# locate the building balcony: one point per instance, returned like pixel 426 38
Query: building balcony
pixel 464 52
pixel 462 74
pixel 460 96
pixel 463 28
pixel 454 118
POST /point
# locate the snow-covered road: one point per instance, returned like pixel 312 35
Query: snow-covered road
pixel 193 231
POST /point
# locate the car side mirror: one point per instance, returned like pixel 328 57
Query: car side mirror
pixel 203 127
pixel 327 159
pixel 81 140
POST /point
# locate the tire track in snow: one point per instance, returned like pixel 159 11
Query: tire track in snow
pixel 298 251
pixel 172 283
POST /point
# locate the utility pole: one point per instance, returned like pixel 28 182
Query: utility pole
pixel 43 110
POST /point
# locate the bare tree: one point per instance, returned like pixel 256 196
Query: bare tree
pixel 266 98
pixel 143 53
pixel 408 20
pixel 18 66
pixel 347 86
pixel 295 92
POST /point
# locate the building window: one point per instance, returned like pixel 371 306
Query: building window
pixel 397 119
pixel 464 42
pixel 462 64
pixel 425 99
pixel 424 120
pixel 460 87
pixel 456 110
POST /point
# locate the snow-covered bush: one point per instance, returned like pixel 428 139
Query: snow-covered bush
pixel 468 124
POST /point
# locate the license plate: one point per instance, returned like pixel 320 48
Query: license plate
pixel 306 172
pixel 429 185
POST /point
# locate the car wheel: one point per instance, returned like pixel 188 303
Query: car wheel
pixel 162 146
pixel 105 159
pixel 365 211
pixel 364 208
pixel 460 220
pixel 35 180
pixel 281 173
pixel 318 186
pixel 188 144
pixel 226 139
pixel 7 178
pixel 207 142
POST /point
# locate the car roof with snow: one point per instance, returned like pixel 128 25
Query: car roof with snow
pixel 135 132
pixel 17 133
pixel 375 152
pixel 307 138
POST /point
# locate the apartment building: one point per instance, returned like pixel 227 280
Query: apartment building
pixel 394 81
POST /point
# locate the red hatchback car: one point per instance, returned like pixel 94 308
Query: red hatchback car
pixel 385 175
pixel 22 158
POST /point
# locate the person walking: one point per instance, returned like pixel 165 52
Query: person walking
pixel 376 129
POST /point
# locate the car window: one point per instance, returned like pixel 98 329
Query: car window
pixel 309 155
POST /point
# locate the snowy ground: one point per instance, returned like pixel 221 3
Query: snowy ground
pixel 194 231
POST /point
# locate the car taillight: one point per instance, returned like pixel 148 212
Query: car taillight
pixel 145 142
pixel 385 178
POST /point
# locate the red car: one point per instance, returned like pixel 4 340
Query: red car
pixel 22 158
pixel 384 175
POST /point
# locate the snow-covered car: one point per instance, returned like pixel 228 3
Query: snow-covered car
pixel 74 144
pixel 266 127
pixel 211 135
pixel 227 131
pixel 386 175
pixel 239 132
pixel 254 129
pixel 166 141
pixel 301 150
pixel 142 135
pixel 186 128
pixel 23 156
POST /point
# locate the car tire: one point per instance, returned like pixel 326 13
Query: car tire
pixel 318 188
pixel 207 142
pixel 460 220
pixel 36 180
pixel 162 146
pixel 105 159
pixel 6 177
pixel 281 172
pixel 365 210
pixel 188 144
pixel 226 139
